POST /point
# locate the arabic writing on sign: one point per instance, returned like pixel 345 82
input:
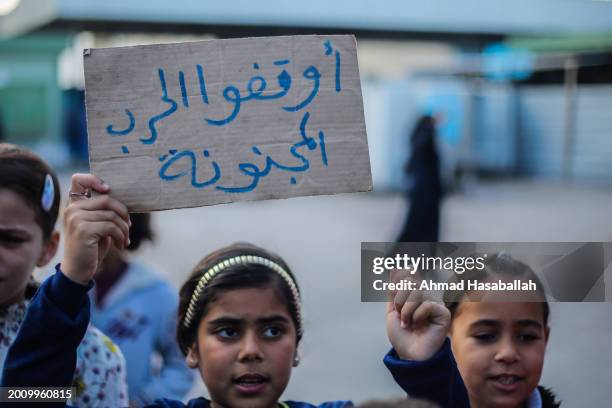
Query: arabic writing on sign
pixel 189 163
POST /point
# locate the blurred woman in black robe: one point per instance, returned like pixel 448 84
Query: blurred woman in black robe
pixel 423 221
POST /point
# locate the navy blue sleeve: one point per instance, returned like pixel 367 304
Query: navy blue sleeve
pixel 436 379
pixel 44 352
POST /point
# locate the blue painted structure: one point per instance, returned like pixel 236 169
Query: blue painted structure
pixel 442 16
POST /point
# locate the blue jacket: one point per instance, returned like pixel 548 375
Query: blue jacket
pixel 139 315
pixel 44 352
pixel 436 379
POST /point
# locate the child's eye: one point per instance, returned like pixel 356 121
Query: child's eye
pixel 273 332
pixel 11 240
pixel 227 333
pixel 485 337
pixel 528 337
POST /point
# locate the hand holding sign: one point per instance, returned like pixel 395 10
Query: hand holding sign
pixel 91 225
pixel 183 125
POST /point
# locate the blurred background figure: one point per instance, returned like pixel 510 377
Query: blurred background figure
pixel 425 191
pixel 137 309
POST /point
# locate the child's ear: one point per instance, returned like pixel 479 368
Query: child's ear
pixel 192 357
pixel 49 249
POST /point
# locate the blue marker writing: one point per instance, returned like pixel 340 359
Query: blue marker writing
pixel 111 131
pixel 250 170
pixel 314 75
pixel 183 89
pixel 328 47
pixel 202 83
pixel 232 95
pixel 338 86
pixel 194 182
pixel 322 147
pixel 165 114
pixel 256 87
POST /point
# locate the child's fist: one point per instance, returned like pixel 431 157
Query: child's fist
pixel 416 326
pixel 91 224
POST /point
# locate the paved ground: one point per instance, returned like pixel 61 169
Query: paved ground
pixel 345 339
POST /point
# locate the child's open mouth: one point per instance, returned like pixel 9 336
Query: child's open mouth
pixel 251 384
pixel 506 382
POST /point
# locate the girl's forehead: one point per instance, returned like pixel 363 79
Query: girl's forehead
pixel 253 302
pixel 9 197
pixel 502 312
pixel 15 210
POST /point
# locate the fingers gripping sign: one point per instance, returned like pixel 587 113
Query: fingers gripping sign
pixel 92 222
pixel 417 324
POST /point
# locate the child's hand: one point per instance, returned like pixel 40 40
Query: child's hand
pixel 416 327
pixel 91 225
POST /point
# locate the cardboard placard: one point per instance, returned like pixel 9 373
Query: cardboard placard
pixel 201 123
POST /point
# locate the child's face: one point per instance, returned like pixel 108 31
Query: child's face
pixel 499 348
pixel 22 246
pixel 245 348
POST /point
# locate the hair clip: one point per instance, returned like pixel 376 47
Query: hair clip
pixel 48 194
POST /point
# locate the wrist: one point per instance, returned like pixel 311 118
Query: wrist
pixel 72 273
pixel 422 355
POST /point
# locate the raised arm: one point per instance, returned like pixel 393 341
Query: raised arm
pixel 421 360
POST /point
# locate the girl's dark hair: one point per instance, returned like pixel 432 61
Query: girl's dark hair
pixel 24 173
pixel 499 265
pixel 239 276
pixel 140 230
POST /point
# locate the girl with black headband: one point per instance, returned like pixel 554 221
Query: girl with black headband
pixel 239 323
